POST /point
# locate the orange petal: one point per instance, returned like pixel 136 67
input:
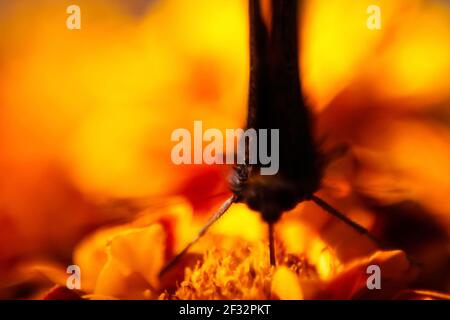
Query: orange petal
pixel 396 273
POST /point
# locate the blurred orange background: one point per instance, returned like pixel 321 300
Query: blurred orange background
pixel 86 115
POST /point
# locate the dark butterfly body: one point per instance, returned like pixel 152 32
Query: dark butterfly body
pixel 276 102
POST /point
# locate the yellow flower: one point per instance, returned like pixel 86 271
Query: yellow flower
pixel 124 261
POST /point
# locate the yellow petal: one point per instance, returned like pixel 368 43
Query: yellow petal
pixel 135 257
pixel 90 255
pixel 286 286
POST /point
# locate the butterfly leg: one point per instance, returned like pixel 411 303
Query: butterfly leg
pixel 272 244
pixel 223 209
pixel 355 226
pixel 358 228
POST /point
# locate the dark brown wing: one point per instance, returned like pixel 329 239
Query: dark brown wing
pixel 275 97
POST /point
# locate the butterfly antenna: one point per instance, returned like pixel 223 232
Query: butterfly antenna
pixel 223 209
pixel 272 244
pixel 358 228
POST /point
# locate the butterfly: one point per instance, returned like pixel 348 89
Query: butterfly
pixel 276 101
